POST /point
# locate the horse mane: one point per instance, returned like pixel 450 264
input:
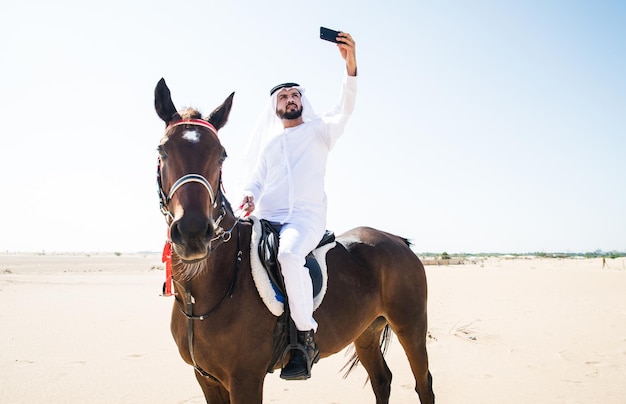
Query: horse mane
pixel 227 204
pixel 190 113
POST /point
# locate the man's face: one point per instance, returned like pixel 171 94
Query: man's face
pixel 289 104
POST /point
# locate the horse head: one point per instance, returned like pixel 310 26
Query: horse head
pixel 189 174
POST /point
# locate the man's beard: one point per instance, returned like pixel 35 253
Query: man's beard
pixel 291 114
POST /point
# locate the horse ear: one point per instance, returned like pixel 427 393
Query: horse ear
pixel 163 102
pixel 219 116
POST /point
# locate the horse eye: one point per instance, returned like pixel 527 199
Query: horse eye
pixel 162 153
pixel 223 157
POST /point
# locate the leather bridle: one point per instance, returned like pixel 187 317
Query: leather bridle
pixel 221 236
pixel 164 199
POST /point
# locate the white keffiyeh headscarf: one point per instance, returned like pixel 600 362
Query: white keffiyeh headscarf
pixel 269 125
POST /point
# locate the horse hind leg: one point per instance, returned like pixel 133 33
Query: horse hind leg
pixel 405 306
pixel 413 341
pixel 369 353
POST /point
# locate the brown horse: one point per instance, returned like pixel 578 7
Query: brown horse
pixel 220 323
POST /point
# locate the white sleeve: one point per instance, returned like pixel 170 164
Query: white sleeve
pixel 337 118
pixel 254 187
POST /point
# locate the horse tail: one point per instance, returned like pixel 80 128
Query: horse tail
pixel 353 362
pixel 406 241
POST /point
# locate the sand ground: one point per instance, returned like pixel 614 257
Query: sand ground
pixel 93 329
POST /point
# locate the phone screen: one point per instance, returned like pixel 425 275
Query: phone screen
pixel 328 34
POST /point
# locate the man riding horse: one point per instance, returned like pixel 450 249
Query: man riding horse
pixel 287 189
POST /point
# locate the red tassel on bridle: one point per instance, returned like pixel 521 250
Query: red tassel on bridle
pixel 167 259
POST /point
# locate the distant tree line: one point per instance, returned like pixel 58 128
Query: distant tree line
pixel 595 254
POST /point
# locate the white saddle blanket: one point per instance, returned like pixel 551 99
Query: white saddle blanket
pixel 262 280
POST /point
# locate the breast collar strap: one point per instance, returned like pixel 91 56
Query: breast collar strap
pixel 187 307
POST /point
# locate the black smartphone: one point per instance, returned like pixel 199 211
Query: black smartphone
pixel 328 34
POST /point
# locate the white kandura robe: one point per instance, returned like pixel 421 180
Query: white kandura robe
pixel 288 188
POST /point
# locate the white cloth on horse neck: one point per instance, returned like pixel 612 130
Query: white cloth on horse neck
pixel 288 181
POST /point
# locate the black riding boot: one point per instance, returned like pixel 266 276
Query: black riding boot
pixel 302 359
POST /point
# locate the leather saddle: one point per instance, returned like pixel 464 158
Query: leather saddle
pixel 268 254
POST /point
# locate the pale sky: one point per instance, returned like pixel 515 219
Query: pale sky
pixel 480 126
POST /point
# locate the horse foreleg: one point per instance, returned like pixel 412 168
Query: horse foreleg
pixel 246 392
pixel 243 390
pixel 214 392
pixel 367 347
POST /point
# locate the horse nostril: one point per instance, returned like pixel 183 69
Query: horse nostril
pixel 210 231
pixel 175 235
pixel 190 230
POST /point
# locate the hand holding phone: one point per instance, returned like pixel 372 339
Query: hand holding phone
pixel 328 34
pixel 346 47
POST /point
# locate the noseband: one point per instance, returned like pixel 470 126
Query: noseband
pixel 185 179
